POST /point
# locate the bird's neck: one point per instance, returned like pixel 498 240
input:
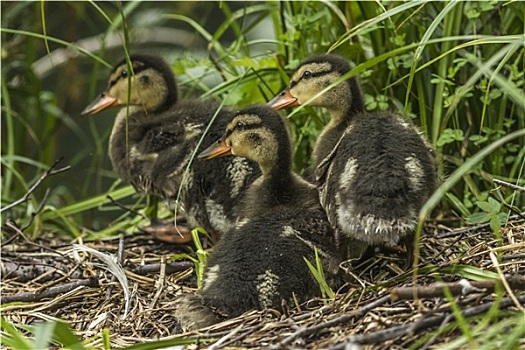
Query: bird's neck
pixel 350 103
pixel 276 186
pixel 280 166
pixel 168 101
pixel 272 194
pixel 341 116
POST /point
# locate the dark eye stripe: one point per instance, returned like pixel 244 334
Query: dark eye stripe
pixel 251 126
pixel 137 68
pixel 246 127
pixel 318 74
pixel 312 75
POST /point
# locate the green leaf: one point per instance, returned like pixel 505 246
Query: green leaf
pixel 202 256
pixel 502 217
pixel 478 218
pixel 319 276
pixel 449 136
pixel 485 206
pixel 478 139
pixel 494 205
pixel 456 202
pixel 50 213
pixel 65 336
pixel 15 339
pixel 472 13
pixel 495 224
pixel 44 334
pixel 165 343
pixel 106 338
pixel 470 272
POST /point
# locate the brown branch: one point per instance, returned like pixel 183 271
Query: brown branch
pixel 120 254
pixel 173 266
pixel 13 226
pixel 48 293
pixel 509 185
pixel 120 260
pixel 159 284
pixel 36 212
pixel 436 335
pixel 514 256
pixel 458 288
pixel 341 319
pixel 24 271
pixel 49 172
pixel 8 225
pixel 414 327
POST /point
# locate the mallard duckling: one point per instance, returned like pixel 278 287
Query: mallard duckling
pixel 260 263
pixel 375 170
pixel 155 135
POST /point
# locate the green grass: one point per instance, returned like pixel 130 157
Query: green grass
pixel 44 335
pixel 201 258
pixel 318 273
pixel 455 68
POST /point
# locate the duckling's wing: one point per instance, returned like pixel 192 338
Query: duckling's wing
pixel 322 169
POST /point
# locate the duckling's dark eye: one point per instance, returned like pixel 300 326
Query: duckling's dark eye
pixel 124 73
pixel 239 126
pixel 306 74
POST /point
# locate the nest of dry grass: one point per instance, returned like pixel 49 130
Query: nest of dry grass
pixel 377 308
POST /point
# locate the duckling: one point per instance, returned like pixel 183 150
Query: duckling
pixel 374 170
pixel 155 135
pixel 260 262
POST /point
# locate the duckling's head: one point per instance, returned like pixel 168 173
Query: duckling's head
pixel 258 133
pixel 313 76
pixel 149 84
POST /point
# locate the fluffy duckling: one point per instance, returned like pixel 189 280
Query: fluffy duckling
pixel 155 135
pixel 259 263
pixel 374 170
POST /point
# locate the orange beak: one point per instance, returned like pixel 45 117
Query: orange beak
pixel 101 103
pixel 218 148
pixel 283 100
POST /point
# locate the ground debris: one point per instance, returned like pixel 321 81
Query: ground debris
pixel 380 306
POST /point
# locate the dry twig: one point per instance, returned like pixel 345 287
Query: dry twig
pixel 48 172
pixel 341 319
pixel 24 271
pixel 50 292
pixel 171 267
pixel 462 287
pixel 414 327
pixel 120 260
pixel 509 185
pixel 504 280
pixel 160 283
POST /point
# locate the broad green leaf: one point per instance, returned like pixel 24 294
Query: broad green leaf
pixel 494 205
pixel 65 336
pixel 43 334
pixel 478 218
pixel 470 272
